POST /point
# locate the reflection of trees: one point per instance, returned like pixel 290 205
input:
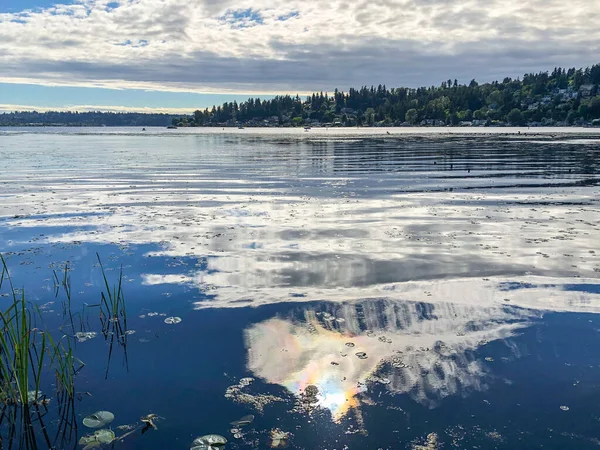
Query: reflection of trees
pixel 419 349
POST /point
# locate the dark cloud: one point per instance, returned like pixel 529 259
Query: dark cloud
pixel 394 63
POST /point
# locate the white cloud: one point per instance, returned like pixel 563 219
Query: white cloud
pixel 87 108
pixel 268 45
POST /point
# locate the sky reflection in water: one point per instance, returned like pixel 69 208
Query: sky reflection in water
pixel 424 252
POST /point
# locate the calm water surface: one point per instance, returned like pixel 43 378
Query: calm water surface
pixel 439 289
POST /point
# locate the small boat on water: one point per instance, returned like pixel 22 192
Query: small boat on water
pixel 306 128
pixel 240 127
pixel 172 127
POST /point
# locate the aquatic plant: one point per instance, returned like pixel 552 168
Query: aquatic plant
pixel 209 442
pixel 98 419
pixel 113 315
pixel 28 354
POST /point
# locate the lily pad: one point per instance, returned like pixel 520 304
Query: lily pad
pixel 98 419
pixel 105 436
pixel 209 442
pixel 246 420
pixel 172 320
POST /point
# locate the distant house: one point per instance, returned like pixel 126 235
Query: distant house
pixel 586 90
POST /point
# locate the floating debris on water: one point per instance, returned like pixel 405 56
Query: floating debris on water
pixel 381 380
pixel 259 401
pixel 172 320
pixel 208 442
pixel 432 443
pixel 309 396
pixel 34 396
pixel 149 420
pixel 279 438
pixel 98 419
pixel 246 381
pixel 246 420
pixel 84 336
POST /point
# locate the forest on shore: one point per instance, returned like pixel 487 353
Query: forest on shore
pixel 563 97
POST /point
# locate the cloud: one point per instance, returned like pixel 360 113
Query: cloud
pixel 88 108
pixel 271 46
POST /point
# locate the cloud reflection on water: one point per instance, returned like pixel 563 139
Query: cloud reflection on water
pixel 419 349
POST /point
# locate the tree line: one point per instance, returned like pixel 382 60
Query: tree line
pixel 89 119
pixel 563 96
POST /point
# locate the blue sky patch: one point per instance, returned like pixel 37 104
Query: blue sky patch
pixel 242 18
pixel 61 96
pixel 14 6
pixel 288 16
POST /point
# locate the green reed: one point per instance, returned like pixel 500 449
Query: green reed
pixel 27 354
pixel 113 315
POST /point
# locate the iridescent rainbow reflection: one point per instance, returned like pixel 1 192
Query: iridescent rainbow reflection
pixel 337 391
pixel 433 344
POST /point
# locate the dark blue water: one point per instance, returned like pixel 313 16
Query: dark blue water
pixel 465 267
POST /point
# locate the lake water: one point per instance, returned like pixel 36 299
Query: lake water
pixel 439 289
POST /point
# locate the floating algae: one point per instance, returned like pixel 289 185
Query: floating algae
pixel 259 401
pixel 98 419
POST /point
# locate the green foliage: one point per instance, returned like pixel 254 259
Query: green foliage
pixel 515 117
pixel 411 116
pixel 83 119
pixel 30 357
pixel 560 96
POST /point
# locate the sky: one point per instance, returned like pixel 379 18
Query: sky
pixel 177 56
